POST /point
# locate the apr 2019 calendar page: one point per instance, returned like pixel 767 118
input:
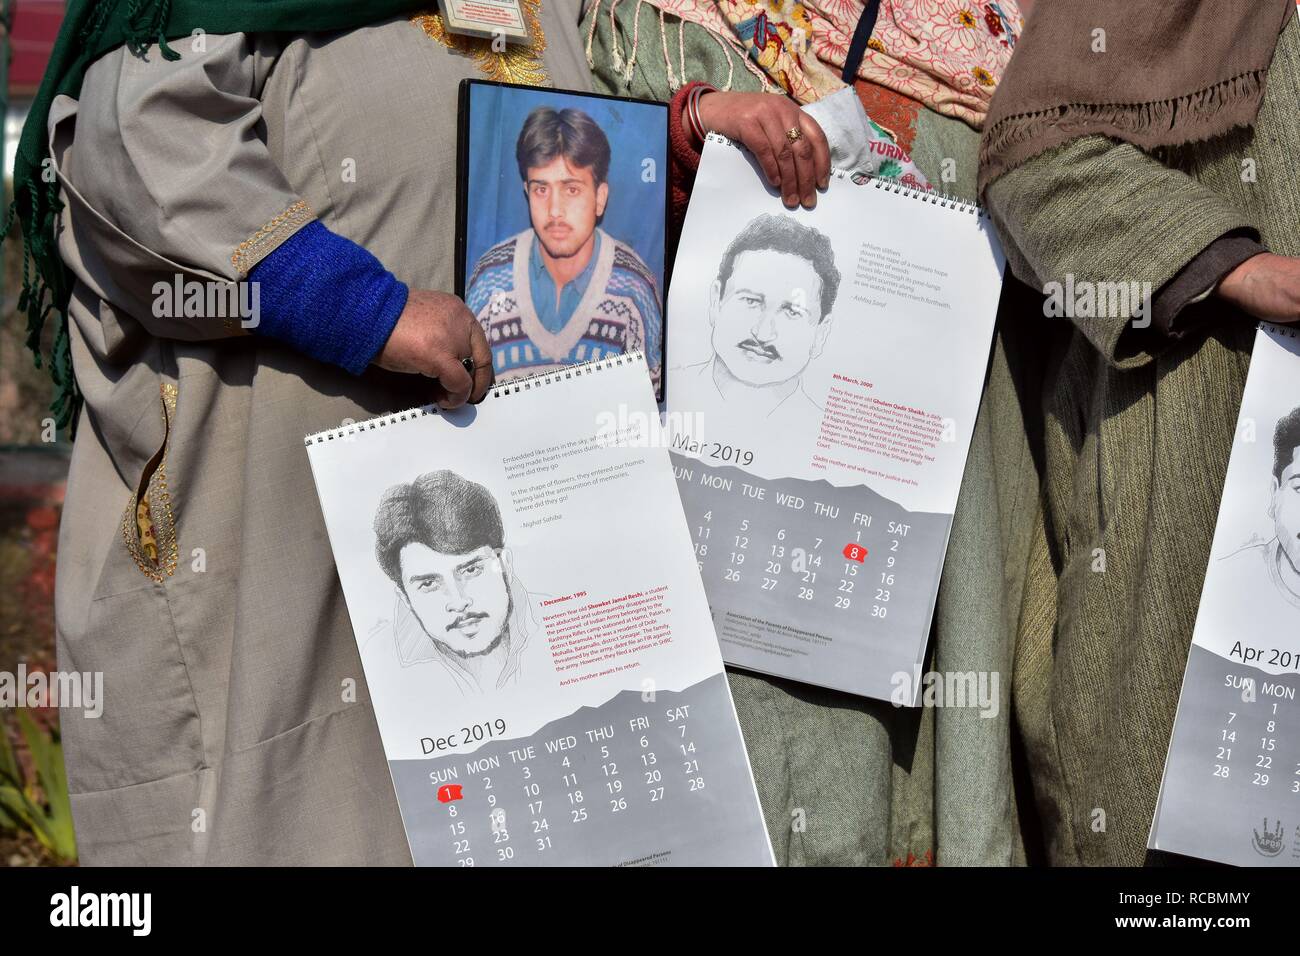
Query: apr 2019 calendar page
pixel 825 369
pixel 535 637
pixel 1231 786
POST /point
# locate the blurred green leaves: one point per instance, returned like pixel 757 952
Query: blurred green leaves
pixel 41 805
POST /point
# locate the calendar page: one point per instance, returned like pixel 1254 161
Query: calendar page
pixel 535 637
pixel 825 369
pixel 1231 788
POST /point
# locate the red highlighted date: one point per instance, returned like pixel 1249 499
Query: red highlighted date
pixel 855 552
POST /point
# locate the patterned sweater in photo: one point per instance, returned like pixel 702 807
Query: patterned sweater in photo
pixel 620 311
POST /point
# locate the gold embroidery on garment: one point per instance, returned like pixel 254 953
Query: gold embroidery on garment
pixel 515 64
pixel 148 525
pixel 273 232
pixel 144 523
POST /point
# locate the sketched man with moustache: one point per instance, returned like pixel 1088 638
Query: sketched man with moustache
pixel 440 541
pixel 769 314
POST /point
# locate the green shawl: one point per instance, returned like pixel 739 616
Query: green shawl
pixel 90 29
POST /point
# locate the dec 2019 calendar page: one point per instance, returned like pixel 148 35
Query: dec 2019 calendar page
pixel 1231 786
pixel 535 638
pixel 824 374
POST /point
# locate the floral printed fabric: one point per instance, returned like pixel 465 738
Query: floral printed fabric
pixel 863 148
pixel 947 54
pixel 859 146
pixel 890 161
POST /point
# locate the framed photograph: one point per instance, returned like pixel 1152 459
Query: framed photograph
pixel 561 225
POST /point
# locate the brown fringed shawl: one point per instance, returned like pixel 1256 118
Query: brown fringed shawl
pixel 1149 73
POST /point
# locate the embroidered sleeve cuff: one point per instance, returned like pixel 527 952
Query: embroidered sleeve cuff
pixel 270 236
pixel 327 297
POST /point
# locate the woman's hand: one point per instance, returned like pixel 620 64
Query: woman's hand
pixel 434 335
pixel 1266 286
pixel 761 123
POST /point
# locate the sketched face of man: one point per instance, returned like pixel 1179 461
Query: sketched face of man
pixel 767 321
pixel 1285 509
pixel 461 600
pixel 564 203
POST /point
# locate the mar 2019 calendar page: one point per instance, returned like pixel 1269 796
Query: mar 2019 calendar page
pixel 824 375
pixel 535 638
pixel 1231 787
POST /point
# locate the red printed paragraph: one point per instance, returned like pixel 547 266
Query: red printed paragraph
pixel 599 637
pixel 861 422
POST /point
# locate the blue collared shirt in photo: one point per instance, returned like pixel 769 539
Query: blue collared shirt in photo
pixel 552 316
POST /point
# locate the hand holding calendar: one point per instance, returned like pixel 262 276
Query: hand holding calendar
pixel 535 638
pixel 825 368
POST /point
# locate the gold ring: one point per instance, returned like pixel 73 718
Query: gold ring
pixel 794 134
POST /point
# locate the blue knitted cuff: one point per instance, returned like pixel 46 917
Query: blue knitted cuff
pixel 327 297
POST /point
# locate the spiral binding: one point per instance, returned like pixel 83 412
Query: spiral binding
pixel 527 383
pixel 344 431
pixel 934 197
pixel 1274 329
pixel 514 386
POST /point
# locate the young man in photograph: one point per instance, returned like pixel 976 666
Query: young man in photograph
pixel 564 291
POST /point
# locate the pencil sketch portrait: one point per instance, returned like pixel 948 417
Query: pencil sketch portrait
pixel 1265 573
pixel 440 540
pixel 771 305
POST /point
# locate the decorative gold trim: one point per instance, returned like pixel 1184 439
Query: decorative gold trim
pixel 148 525
pixel 517 63
pixel 273 232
